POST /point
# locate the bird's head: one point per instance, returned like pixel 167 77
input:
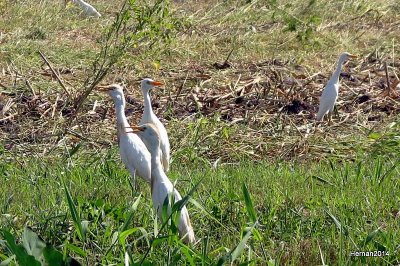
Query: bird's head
pixel 147 84
pixel 115 91
pixel 346 56
pixel 149 134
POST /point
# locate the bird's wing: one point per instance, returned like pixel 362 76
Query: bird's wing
pixel 164 145
pixel 160 190
pixel 185 227
pixel 135 155
pixel 327 100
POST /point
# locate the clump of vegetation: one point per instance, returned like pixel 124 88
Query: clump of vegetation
pixel 136 27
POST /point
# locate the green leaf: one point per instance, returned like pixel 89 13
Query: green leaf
pixel 33 244
pixel 75 249
pixel 371 236
pixel 74 149
pixel 123 235
pixel 20 253
pixel 186 251
pixel 235 253
pixel 322 180
pixel 74 213
pixel 7 261
pixel 374 135
pixel 240 247
pixel 157 241
pixel 164 210
pixel 132 211
pixel 249 204
pixel 181 203
pixel 53 257
pixel 341 228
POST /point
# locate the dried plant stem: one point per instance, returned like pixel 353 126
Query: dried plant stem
pixel 54 73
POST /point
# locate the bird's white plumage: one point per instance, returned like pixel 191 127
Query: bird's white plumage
pixel 161 186
pixel 133 151
pixel 331 90
pixel 150 117
pixel 327 100
pixel 87 8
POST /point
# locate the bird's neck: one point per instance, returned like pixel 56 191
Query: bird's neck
pixel 156 167
pixel 122 122
pixel 335 76
pixel 157 171
pixel 148 110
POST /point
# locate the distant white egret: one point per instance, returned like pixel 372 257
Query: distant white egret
pixel 331 90
pixel 161 186
pixel 89 10
pixel 149 117
pixel 133 151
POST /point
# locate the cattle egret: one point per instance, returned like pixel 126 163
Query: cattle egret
pixel 149 117
pixel 133 151
pixel 331 90
pixel 89 10
pixel 161 186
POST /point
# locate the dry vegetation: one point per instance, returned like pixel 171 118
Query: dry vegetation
pixel 251 72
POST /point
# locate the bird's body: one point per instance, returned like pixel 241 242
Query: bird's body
pixel 331 90
pixel 327 100
pixel 87 8
pixel 133 151
pixel 161 186
pixel 150 117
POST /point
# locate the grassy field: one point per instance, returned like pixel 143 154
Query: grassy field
pixel 274 187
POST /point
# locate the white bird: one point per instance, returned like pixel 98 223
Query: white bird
pixel 149 117
pixel 89 10
pixel 133 151
pixel 161 186
pixel 331 90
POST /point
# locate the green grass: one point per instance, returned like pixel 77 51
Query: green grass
pixel 295 205
pixel 317 193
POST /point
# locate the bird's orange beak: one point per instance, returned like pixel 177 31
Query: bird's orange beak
pixel 102 88
pixel 352 56
pixel 135 129
pixel 157 83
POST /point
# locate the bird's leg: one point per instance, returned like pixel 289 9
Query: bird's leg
pixel 132 186
pixel 315 126
pixel 133 183
pixel 336 113
pixel 330 118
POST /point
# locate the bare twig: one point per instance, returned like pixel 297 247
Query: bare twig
pixel 387 76
pixel 54 72
pixel 8 117
pixel 30 87
pixel 181 87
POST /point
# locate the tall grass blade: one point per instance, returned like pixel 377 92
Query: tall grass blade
pixel 75 215
pixel 249 204
pixel 322 180
pixel 235 253
pixel 371 236
pixel 132 211
pixel 240 247
pixel 391 169
pixel 342 229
